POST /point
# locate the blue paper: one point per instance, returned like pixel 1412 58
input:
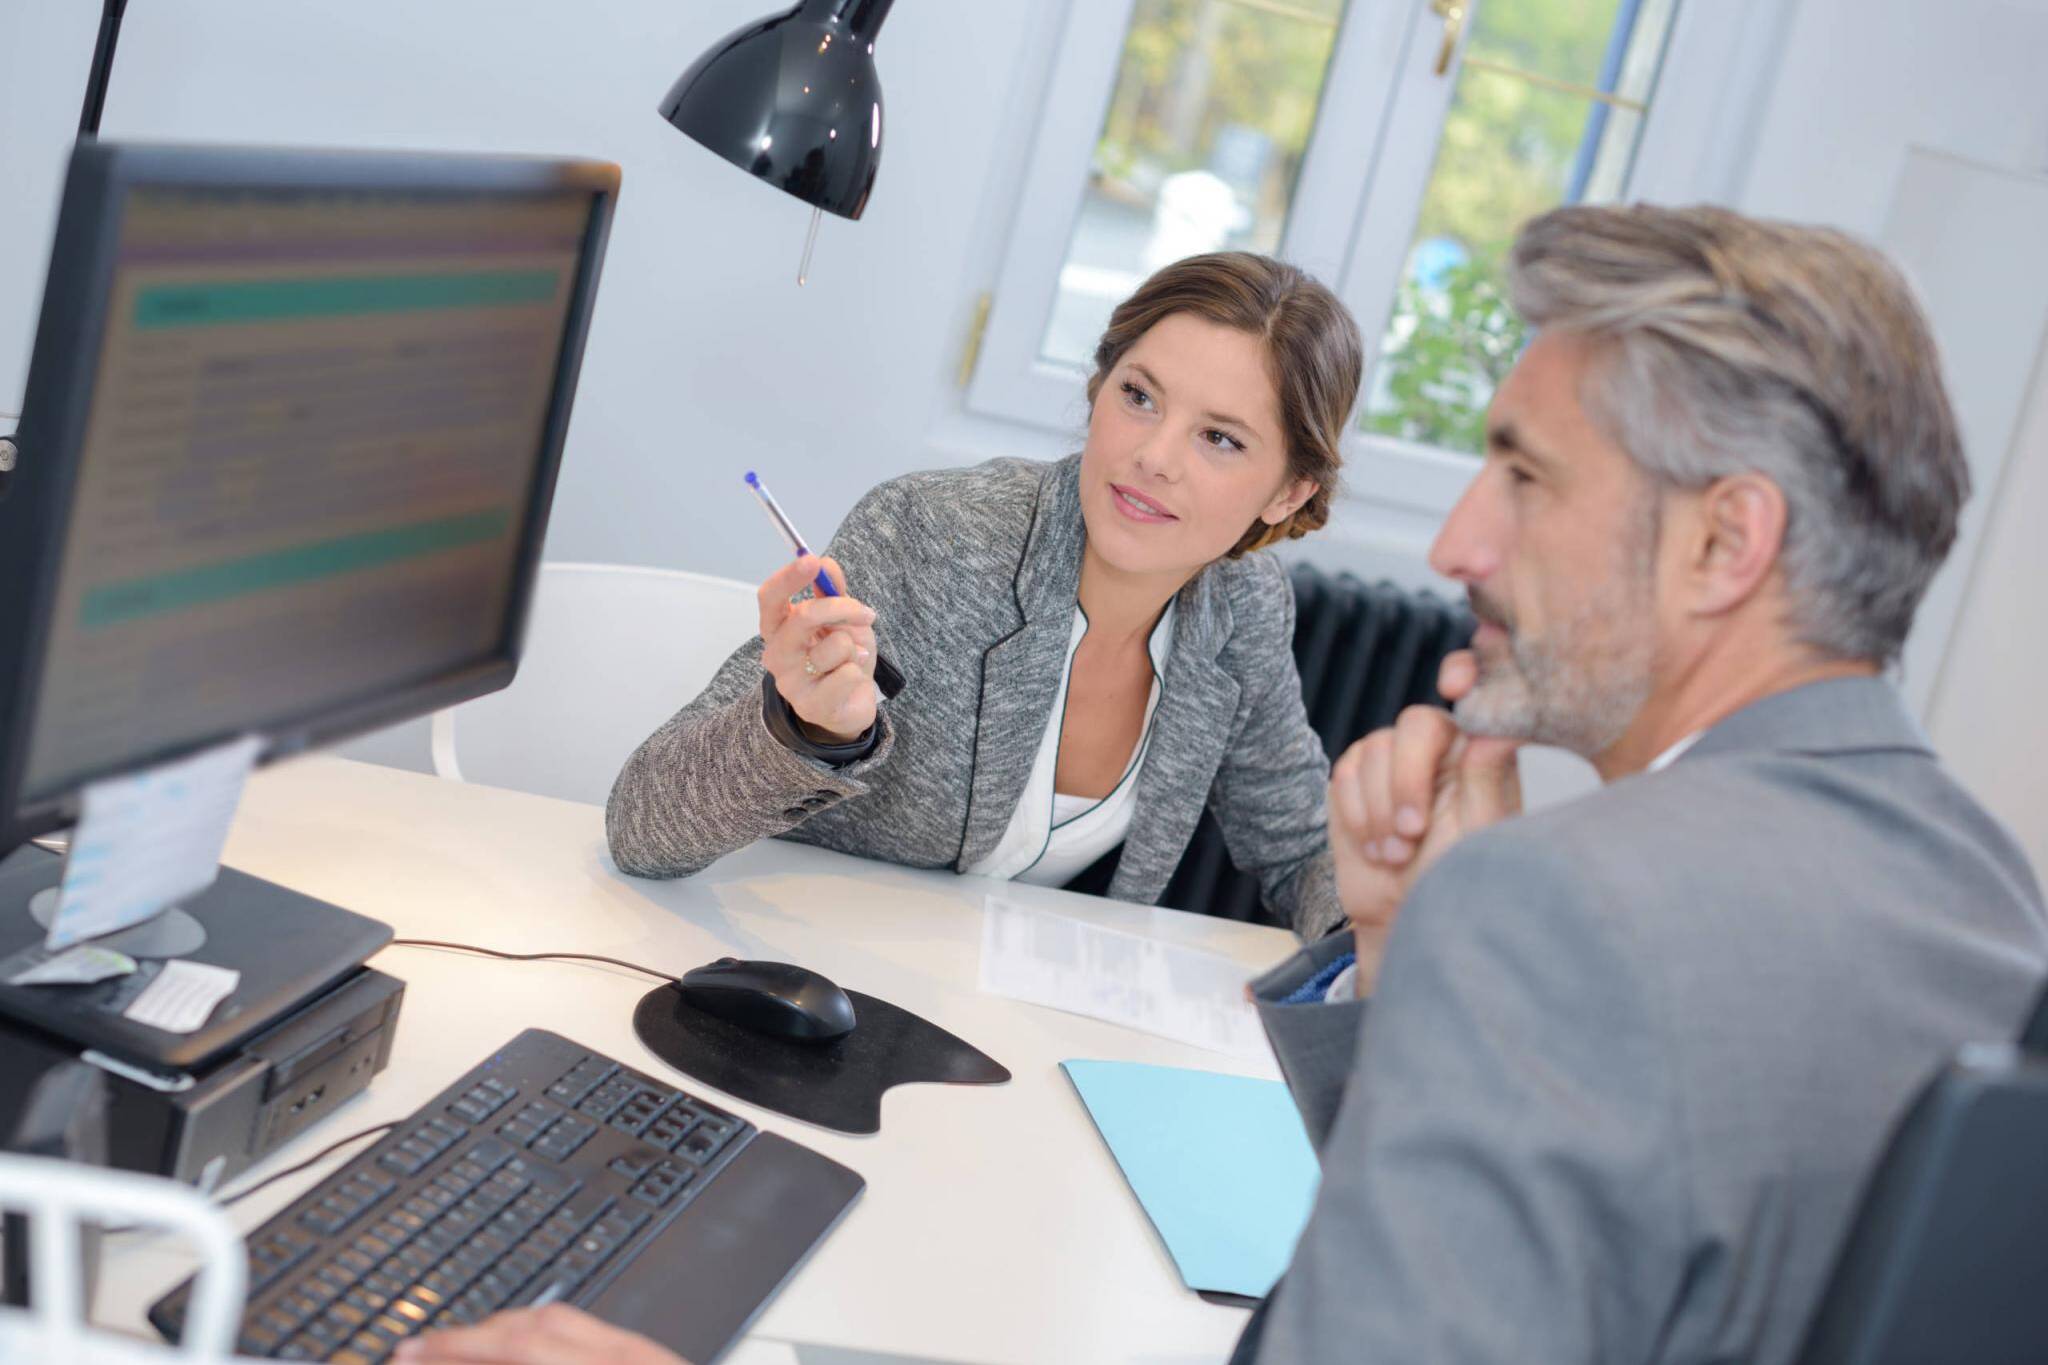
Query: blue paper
pixel 1220 1163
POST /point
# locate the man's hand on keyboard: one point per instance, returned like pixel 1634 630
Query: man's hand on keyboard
pixel 555 1335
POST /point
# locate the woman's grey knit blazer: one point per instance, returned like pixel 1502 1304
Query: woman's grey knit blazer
pixel 973 575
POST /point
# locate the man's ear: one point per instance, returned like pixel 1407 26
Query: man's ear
pixel 1290 500
pixel 1737 531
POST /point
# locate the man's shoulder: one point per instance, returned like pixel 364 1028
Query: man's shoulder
pixel 1715 843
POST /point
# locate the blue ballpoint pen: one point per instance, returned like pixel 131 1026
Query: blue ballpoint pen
pixel 887 677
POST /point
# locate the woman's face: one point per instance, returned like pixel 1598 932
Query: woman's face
pixel 1185 450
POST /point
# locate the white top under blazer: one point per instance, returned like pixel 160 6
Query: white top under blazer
pixel 1054 837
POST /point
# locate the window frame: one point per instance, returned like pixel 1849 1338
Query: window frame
pixel 1011 379
pixel 1360 190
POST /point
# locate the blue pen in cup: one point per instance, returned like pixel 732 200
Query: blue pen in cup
pixel 887 676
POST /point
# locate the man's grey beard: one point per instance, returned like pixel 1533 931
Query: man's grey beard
pixel 1580 686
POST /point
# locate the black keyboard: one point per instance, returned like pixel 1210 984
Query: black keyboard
pixel 543 1174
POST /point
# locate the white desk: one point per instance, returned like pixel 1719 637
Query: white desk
pixel 995 1227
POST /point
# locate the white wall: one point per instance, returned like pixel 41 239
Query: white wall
pixel 1989 720
pixel 1860 81
pixel 705 359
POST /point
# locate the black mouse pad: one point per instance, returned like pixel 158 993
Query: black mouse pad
pixel 834 1085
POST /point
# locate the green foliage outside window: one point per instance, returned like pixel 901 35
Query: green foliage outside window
pixel 1441 377
pixel 1192 67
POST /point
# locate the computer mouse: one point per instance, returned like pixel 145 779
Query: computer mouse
pixel 775 999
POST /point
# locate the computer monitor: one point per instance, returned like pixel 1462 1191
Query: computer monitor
pixel 290 436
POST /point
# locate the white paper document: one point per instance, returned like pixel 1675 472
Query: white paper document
pixel 148 840
pixel 1185 994
pixel 80 966
pixel 182 996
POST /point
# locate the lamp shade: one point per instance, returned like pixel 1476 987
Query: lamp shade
pixel 794 100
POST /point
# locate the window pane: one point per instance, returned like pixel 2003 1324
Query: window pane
pixel 1214 103
pixel 1524 133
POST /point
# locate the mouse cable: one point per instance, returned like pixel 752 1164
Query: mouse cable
pixel 530 957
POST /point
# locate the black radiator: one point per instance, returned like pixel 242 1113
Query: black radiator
pixel 1365 652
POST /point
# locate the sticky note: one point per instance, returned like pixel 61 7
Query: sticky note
pixel 182 996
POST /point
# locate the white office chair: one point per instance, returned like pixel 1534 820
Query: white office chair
pixel 60 1195
pixel 612 651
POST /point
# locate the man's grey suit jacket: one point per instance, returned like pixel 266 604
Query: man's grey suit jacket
pixel 1630 1060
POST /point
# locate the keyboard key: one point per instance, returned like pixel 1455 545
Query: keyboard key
pixel 581 1080
pixel 490 1153
pixel 372 1246
pixel 665 1132
pixel 347 1315
pixel 395 1327
pixel 446 1283
pixel 621 1223
pixel 633 1165
pixel 331 1281
pixel 700 1146
pixel 468 1310
pixel 257 1340
pixel 325 1331
pixel 366 1301
pixel 281 1324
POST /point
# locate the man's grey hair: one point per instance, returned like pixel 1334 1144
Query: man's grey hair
pixel 1738 346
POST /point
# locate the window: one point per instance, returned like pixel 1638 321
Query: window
pixel 1547 110
pixel 1207 125
pixel 1391 147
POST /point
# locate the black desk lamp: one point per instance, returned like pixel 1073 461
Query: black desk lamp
pixel 794 100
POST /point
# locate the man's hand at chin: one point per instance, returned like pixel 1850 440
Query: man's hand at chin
pixel 1403 795
pixel 554 1335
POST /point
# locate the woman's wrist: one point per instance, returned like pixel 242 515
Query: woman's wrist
pixel 795 736
pixel 819 735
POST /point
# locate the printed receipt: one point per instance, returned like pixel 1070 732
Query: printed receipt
pixel 147 840
pixel 1181 993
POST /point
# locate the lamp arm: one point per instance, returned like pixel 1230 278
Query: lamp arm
pixel 111 14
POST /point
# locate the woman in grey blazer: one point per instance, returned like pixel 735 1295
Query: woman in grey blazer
pixel 1093 648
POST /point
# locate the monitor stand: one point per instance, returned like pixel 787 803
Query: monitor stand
pixel 172 933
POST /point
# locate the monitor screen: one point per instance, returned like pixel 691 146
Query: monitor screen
pixel 305 475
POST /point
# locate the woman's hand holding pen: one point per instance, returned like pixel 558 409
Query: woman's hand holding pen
pixel 820 651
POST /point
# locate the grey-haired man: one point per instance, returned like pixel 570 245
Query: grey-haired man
pixel 1604 1081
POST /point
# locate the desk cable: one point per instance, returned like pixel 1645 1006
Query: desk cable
pixel 329 1150
pixel 314 1160
pixel 530 957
